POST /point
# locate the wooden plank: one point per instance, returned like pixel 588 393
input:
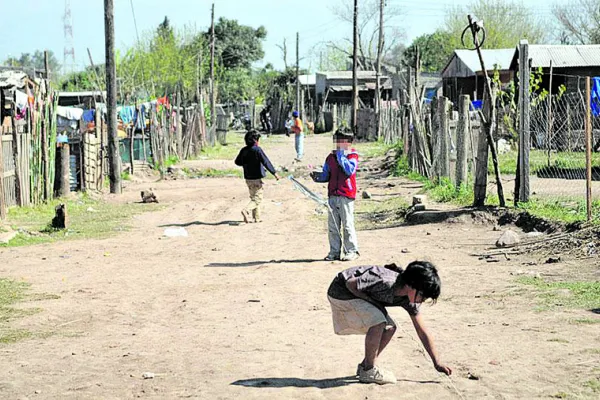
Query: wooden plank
pixel 16 155
pixel 462 141
pixel 3 206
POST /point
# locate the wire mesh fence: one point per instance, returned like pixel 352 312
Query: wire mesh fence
pixel 557 159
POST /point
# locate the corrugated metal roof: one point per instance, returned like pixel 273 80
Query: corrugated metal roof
pixel 308 80
pixel 564 56
pixel 10 79
pixel 469 63
pixel 348 74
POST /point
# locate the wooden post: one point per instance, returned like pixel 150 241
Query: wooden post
pixel 2 201
pixel 213 101
pixel 481 164
pixel 63 175
pixel 45 151
pixel 378 71
pixel 588 147
pixel 549 122
pixel 114 159
pixel 522 188
pixel 444 138
pixel 298 106
pixel 131 149
pixel 16 155
pixel 355 70
pixel 462 141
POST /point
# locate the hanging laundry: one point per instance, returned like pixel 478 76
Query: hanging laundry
pixel 71 113
pixel 595 99
pixel 126 114
pixel 21 99
pixel 140 117
pixel 89 115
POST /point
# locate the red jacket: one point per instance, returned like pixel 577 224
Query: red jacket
pixel 342 173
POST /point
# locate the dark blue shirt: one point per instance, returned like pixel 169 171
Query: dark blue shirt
pixel 254 160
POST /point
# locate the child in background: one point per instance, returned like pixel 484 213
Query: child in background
pixel 298 129
pixel 254 161
pixel 340 173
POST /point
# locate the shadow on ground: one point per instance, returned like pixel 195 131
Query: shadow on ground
pixel 257 263
pixel 306 383
pixel 199 223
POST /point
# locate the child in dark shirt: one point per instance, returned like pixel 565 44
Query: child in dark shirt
pixel 254 161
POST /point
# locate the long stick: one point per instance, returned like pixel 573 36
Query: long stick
pixel 588 148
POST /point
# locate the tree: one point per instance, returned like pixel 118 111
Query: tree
pixel 434 51
pixel 506 22
pixel 238 45
pixel 368 29
pixel 579 21
pixel 34 61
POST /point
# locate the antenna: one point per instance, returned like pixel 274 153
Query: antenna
pixel 69 52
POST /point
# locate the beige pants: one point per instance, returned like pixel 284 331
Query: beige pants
pixel 255 186
pixel 355 317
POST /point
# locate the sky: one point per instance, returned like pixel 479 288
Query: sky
pixel 38 24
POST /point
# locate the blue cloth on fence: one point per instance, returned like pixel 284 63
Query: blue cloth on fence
pixel 89 115
pixel 126 114
pixel 595 100
pixel 476 105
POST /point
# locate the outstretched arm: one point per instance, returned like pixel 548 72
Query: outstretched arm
pixel 428 344
pixel 323 176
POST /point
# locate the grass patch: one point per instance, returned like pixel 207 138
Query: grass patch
pixel 558 340
pixel 380 214
pixel 89 219
pixel 538 159
pixel 560 209
pixel 594 385
pixel 12 292
pixel 373 149
pixel 586 321
pixel 583 295
pixel 235 141
pixel 213 173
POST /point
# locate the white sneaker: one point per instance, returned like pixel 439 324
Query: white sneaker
pixel 350 257
pixel 377 375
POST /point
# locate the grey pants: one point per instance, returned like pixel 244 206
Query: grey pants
pixel 341 219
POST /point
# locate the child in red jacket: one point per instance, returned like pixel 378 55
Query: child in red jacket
pixel 340 173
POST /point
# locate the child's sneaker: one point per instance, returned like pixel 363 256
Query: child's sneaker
pixel 350 257
pixel 359 369
pixel 246 216
pixel 376 375
pixel 331 257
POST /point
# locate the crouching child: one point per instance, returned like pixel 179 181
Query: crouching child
pixel 359 297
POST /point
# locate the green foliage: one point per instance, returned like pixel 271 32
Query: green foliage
pixel 238 46
pixel 563 209
pixel 584 295
pixel 435 50
pixel 594 385
pixel 35 61
pixel 506 22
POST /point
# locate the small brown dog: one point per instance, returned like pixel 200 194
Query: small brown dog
pixel 311 127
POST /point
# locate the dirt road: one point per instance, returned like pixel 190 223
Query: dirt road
pixel 240 311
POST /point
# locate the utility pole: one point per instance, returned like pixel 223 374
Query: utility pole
pixel 354 71
pixel 114 159
pixel 298 72
pixel 378 68
pixel 213 103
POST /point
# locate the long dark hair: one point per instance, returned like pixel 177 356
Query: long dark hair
pixel 423 277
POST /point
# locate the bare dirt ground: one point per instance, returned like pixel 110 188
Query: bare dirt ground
pixel 240 311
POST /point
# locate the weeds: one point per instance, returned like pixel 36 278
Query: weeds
pixel 584 295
